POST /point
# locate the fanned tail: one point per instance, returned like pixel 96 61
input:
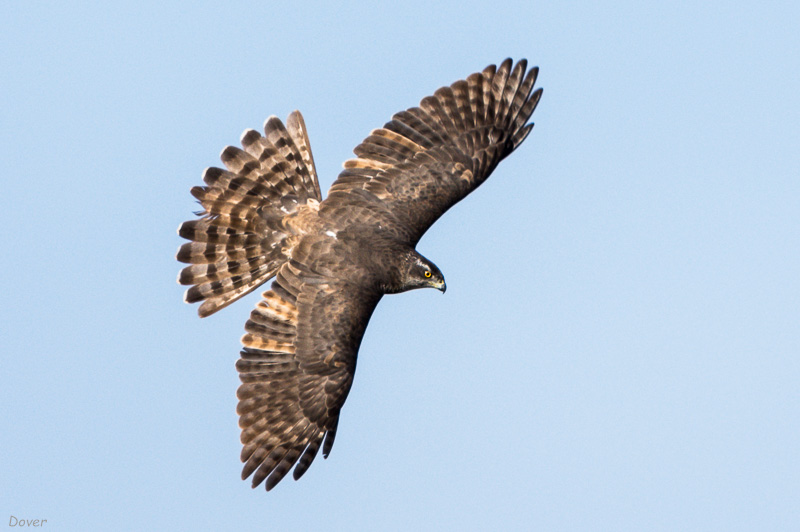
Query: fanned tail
pixel 237 244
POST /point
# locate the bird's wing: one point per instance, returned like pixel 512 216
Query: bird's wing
pixel 296 370
pixel 428 158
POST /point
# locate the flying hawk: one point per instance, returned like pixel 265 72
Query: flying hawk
pixel 333 260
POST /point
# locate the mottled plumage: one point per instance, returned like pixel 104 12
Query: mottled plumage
pixel 333 260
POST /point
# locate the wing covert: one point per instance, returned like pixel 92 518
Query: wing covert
pixel 428 158
pixel 296 369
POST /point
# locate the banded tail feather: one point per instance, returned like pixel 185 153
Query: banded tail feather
pixel 236 245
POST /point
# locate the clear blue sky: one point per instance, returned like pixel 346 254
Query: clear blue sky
pixel 619 345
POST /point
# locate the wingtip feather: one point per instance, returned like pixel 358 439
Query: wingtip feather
pixel 272 123
pixel 249 136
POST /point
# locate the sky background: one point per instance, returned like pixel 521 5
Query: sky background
pixel 618 345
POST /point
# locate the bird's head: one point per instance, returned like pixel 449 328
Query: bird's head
pixel 422 273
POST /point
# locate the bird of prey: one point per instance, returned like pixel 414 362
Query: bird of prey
pixel 263 217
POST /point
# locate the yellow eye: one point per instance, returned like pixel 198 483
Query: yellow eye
pixel 427 273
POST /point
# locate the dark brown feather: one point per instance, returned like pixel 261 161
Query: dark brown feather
pixel 296 370
pixel 463 132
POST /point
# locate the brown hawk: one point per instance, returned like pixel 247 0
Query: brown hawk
pixel 333 260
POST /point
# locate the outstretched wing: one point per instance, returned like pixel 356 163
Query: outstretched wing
pixel 296 370
pixel 428 158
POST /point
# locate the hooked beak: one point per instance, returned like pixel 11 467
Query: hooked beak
pixel 442 287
